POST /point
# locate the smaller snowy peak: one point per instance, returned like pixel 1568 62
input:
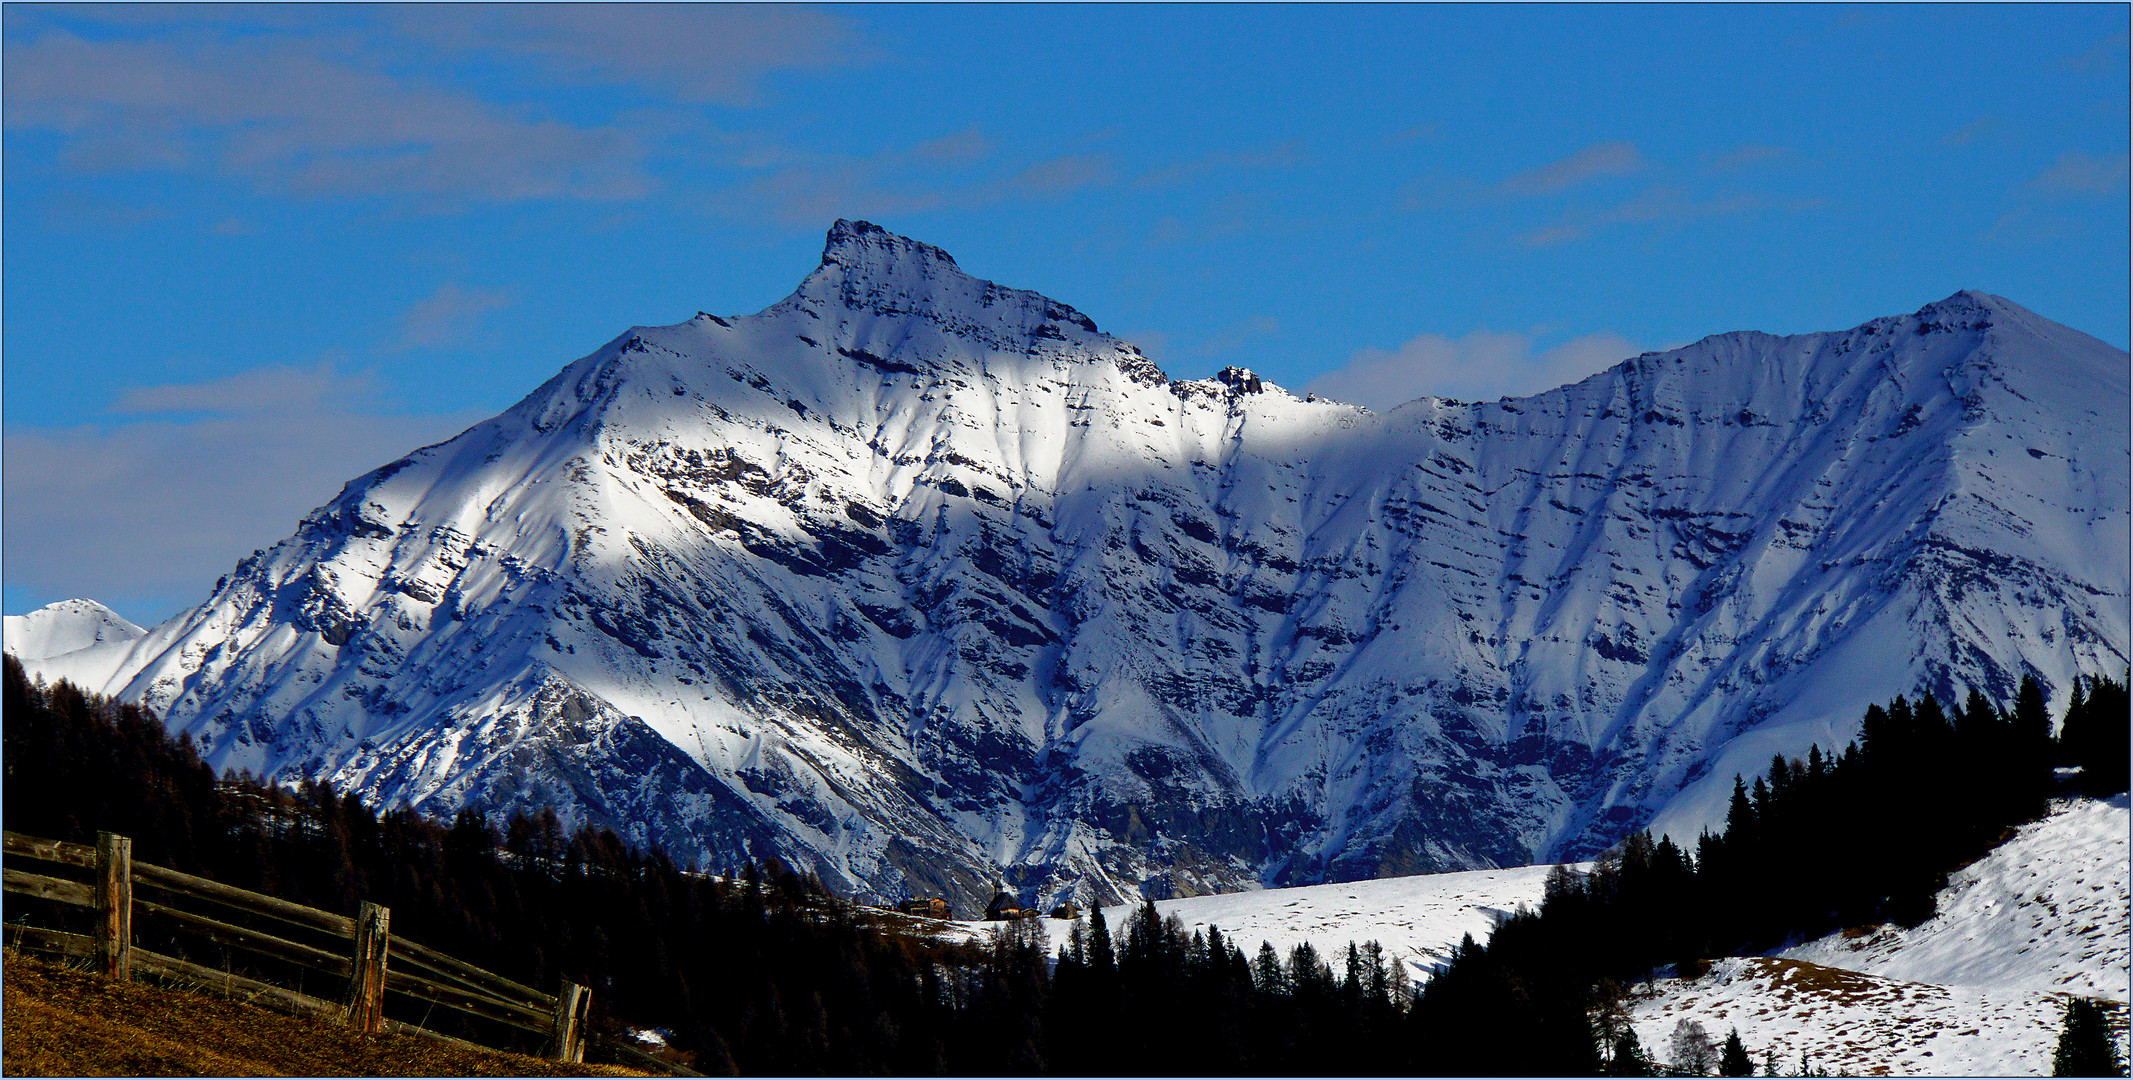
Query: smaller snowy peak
pixel 64 627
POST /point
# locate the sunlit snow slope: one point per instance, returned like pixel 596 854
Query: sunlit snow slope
pixel 1977 990
pixel 914 579
pixel 61 628
pixel 1418 920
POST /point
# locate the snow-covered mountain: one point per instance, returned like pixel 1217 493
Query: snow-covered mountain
pixel 915 580
pixel 57 629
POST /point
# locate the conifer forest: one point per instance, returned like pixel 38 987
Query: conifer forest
pixel 758 970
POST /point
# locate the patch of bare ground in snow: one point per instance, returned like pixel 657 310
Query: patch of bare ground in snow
pixel 1852 1023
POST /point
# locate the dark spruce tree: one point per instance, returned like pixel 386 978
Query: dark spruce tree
pixel 1733 1060
pixel 2097 737
pixel 2086 1047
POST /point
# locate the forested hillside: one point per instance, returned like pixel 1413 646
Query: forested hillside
pixel 758 970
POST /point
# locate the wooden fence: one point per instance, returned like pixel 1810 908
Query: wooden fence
pixel 374 961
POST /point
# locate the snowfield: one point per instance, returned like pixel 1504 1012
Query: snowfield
pixel 1858 1025
pixel 1417 919
pixel 65 627
pixel 1977 990
pixel 2046 911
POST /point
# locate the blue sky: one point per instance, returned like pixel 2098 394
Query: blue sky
pixel 251 252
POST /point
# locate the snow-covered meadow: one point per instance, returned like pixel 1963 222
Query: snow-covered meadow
pixel 1418 919
pixel 1977 990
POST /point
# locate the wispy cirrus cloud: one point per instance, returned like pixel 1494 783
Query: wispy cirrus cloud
pixel 293 121
pixel 2105 56
pixel 1750 156
pixel 1479 366
pixel 1983 127
pixel 451 314
pixel 964 170
pixel 2078 173
pixel 372 102
pixel 716 53
pixel 274 388
pixel 1063 174
pixel 1283 154
pixel 207 469
pixel 1658 205
pixel 1597 161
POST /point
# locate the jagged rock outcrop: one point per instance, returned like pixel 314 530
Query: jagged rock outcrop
pixel 916 580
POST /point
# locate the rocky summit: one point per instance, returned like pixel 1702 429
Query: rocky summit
pixel 916 581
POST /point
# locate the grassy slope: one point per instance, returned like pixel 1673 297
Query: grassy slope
pixel 64 1022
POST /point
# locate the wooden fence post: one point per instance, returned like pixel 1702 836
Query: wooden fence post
pixel 366 981
pixel 114 905
pixel 571 1005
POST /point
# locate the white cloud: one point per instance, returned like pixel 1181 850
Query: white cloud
pixel 294 120
pixel 1593 162
pixel 274 389
pixel 1481 366
pixel 1659 205
pixel 1063 174
pixel 1264 157
pixel 1980 128
pixel 448 315
pixel 146 514
pixel 2076 173
pixel 694 52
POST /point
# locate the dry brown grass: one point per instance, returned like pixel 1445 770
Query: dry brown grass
pixel 1835 985
pixel 59 1021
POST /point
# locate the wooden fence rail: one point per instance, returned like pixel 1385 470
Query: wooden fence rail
pixel 374 962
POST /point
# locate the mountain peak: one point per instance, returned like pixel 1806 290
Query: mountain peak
pixel 868 268
pixel 1969 302
pixel 57 629
pixel 865 249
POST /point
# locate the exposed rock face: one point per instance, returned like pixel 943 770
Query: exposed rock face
pixel 916 581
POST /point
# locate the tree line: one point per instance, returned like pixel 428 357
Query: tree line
pixel 759 970
pixel 1834 840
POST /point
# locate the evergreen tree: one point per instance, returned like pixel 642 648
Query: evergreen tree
pixel 2097 737
pixel 2031 746
pixel 1740 812
pixel 2086 1047
pixel 1734 1059
pixel 1101 959
pixel 1267 972
pixel 1628 1058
